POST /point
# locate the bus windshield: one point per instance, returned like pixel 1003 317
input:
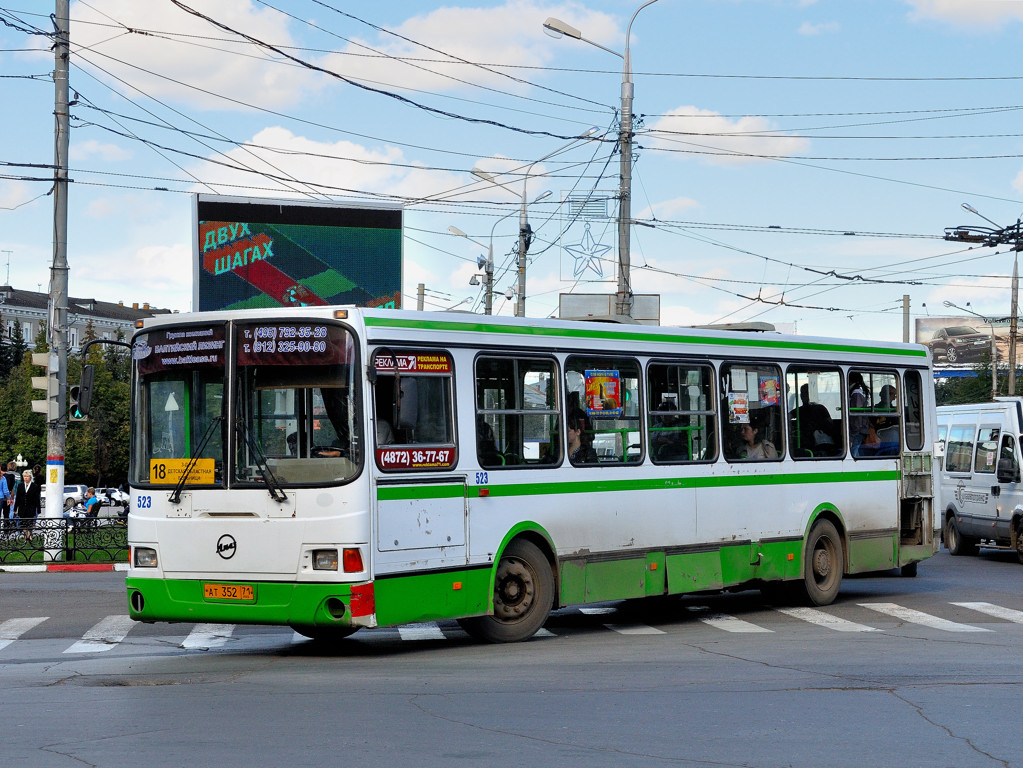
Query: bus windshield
pixel 296 406
pixel 292 419
pixel 179 413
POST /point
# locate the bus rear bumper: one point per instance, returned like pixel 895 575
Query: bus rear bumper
pixel 252 602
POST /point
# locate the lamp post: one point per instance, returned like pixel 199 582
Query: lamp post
pixel 488 267
pixel 525 233
pixel 994 348
pixel 557 28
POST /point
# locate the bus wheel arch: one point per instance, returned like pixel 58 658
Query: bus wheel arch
pixel 524 593
pixel 824 559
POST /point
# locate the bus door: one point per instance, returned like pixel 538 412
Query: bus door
pixel 421 503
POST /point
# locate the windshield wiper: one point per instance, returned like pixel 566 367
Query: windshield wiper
pixel 175 496
pixel 273 485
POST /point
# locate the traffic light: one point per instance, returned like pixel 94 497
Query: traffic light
pixel 81 395
pixel 48 383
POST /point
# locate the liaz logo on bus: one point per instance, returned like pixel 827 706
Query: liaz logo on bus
pixel 427 362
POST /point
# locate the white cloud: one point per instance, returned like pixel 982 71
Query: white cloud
pixel 86 150
pixel 668 209
pixel 723 140
pixel 806 28
pixel 968 12
pixel 342 167
pixel 508 34
pixel 173 63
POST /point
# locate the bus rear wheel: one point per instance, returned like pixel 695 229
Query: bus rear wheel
pixel 823 564
pixel 523 596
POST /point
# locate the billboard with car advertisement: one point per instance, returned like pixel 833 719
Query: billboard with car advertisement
pixel 962 341
pixel 253 253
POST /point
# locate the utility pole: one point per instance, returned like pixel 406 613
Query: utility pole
pixel 905 317
pixel 57 315
pixel 992 237
pixel 1013 322
pixel 421 297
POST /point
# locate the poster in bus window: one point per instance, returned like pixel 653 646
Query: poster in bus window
pixel 738 408
pixel 770 390
pixel 603 394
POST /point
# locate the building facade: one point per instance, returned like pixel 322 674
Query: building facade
pixel 30 310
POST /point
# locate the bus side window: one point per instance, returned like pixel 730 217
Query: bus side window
pixel 517 412
pixel 751 412
pixel 913 413
pixel 815 412
pixel 602 398
pixel 680 420
pixel 874 414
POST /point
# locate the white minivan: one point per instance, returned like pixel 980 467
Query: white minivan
pixel 980 475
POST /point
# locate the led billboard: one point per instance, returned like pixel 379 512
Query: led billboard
pixel 252 253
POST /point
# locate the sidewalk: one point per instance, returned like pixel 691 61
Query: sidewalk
pixel 63 567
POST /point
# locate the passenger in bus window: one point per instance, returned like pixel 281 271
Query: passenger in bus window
pixel 486 445
pixel 859 401
pixel 385 435
pixel 755 448
pixel 580 440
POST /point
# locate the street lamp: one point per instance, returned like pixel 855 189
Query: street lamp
pixel 487 265
pixel 556 28
pixel 994 348
pixel 525 234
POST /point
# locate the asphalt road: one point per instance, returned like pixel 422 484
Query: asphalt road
pixel 899 671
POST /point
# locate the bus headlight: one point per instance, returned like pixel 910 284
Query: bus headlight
pixel 324 559
pixel 145 557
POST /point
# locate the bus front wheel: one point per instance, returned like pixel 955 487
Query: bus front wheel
pixel 523 596
pixel 823 564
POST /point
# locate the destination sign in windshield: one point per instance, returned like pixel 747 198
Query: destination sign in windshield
pixel 292 344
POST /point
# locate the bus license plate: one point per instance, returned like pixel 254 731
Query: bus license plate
pixel 228 592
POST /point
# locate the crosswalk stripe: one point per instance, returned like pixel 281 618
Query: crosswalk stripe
pixel 597 611
pixel 726 622
pixel 995 610
pixel 12 629
pixel 634 629
pixel 104 635
pixel 542 632
pixel 822 619
pixel 425 631
pixel 207 636
pixel 918 617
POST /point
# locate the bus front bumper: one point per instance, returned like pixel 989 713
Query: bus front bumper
pixel 252 602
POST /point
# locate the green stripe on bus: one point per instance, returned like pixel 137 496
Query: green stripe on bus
pixel 605 334
pixel 398 492
pixel 639 484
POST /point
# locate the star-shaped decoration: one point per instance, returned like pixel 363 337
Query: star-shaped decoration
pixel 587 254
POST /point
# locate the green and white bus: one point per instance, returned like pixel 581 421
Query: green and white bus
pixel 336 468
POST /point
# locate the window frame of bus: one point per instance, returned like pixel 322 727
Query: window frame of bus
pixel 483 412
pixel 353 388
pixel 728 365
pixel 597 362
pixel 912 409
pixel 140 443
pixel 655 412
pixel 873 412
pixel 792 395
pixel 383 352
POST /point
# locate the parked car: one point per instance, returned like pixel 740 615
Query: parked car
pixel 114 497
pixel 959 344
pixel 74 494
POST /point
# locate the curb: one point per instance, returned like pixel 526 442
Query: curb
pixel 64 568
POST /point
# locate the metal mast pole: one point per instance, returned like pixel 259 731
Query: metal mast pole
pixel 1013 324
pixel 57 319
pixel 520 304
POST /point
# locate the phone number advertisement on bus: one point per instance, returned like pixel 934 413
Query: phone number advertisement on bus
pixel 415 458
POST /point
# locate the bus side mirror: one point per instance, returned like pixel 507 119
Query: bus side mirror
pixel 1008 471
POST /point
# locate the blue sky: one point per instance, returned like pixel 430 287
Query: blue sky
pixel 769 129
